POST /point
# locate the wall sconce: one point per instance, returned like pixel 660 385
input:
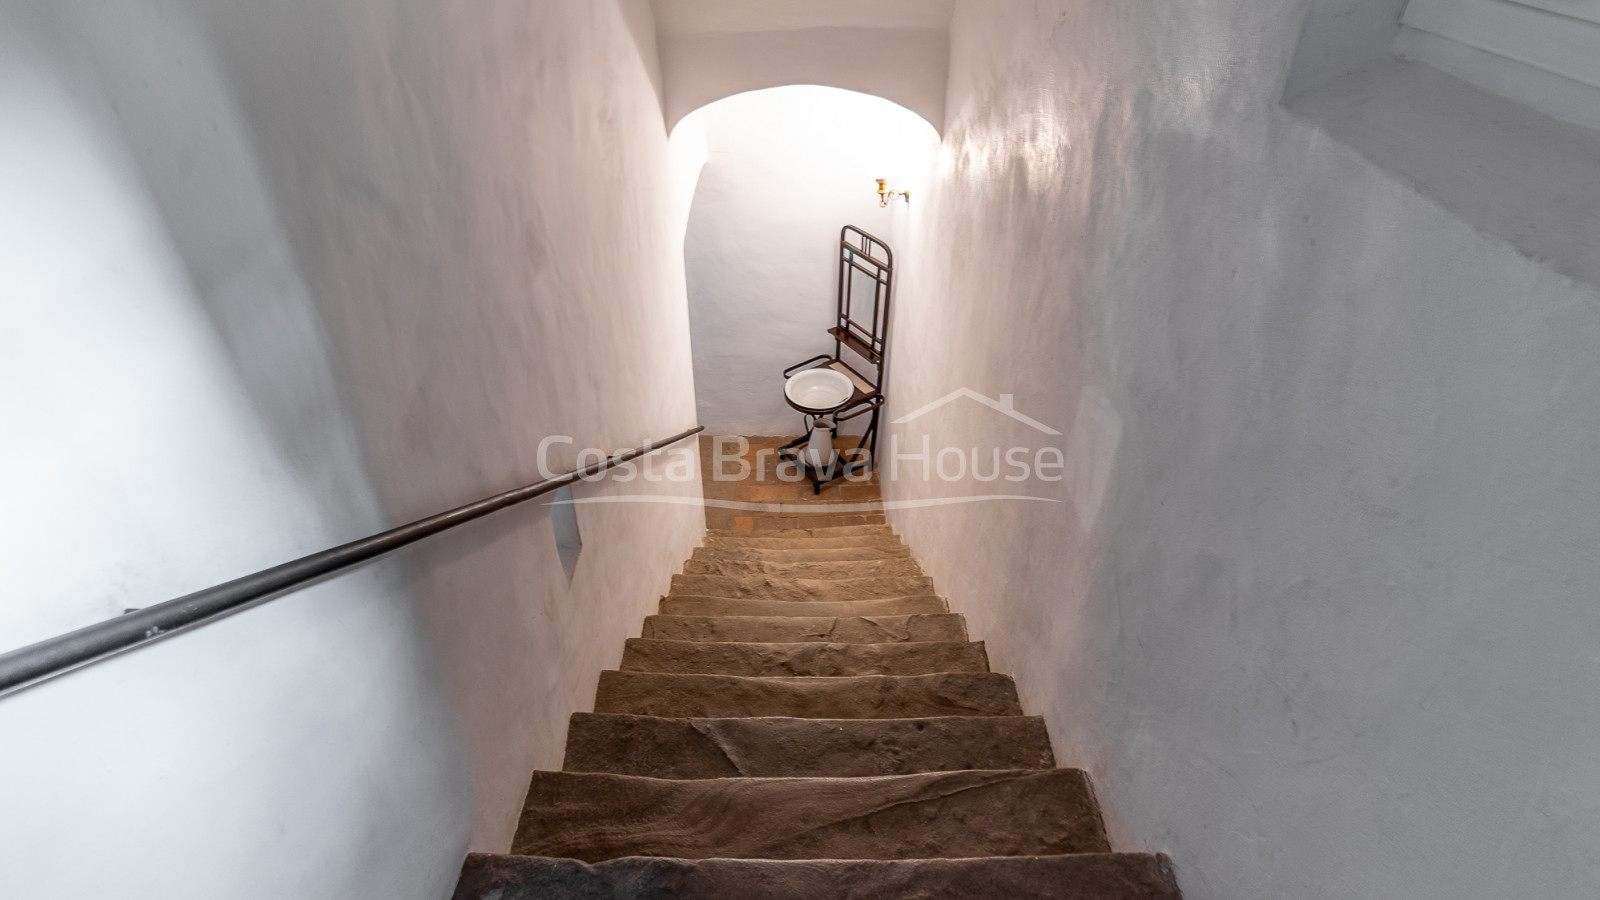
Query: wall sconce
pixel 885 195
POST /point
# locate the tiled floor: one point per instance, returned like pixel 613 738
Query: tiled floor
pixel 780 498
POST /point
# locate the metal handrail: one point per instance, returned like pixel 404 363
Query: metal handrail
pixel 30 665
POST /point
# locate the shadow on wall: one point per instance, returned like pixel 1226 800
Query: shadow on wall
pixel 785 169
pixel 168 356
pixel 1339 37
pixel 173 422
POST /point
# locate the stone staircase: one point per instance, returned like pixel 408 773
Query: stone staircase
pixel 806 719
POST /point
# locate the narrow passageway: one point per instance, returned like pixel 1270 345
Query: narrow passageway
pixel 1236 424
pixel 804 715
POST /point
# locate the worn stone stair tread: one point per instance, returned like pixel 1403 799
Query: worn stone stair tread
pixel 834 554
pixel 729 606
pixel 830 570
pixel 806 719
pixel 827 531
pixel 771 747
pixel 1083 876
pixel 822 629
pixel 770 587
pixel 761 541
pixel 847 697
pixel 938 815
pixel 802 658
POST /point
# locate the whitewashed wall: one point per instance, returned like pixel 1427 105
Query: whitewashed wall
pixel 1331 631
pixel 785 169
pixel 277 275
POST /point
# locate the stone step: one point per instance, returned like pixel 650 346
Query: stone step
pixel 821 571
pixel 823 629
pixel 724 606
pixel 810 515
pixel 837 554
pixel 832 531
pixel 761 587
pixel 1083 876
pixel 764 541
pixel 808 659
pixel 938 815
pixel 847 697
pixel 775 747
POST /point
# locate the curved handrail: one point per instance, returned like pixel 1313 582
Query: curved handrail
pixel 30 665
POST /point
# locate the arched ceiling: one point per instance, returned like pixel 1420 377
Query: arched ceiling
pixel 896 49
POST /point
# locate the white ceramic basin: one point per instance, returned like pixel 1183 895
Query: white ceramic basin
pixel 823 390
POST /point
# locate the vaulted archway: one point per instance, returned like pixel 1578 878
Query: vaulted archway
pixel 895 49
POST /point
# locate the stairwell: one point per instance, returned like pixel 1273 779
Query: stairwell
pixel 805 718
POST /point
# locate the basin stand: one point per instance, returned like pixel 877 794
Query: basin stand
pixel 861 329
pixel 821 475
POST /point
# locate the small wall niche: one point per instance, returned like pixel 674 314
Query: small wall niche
pixel 564 519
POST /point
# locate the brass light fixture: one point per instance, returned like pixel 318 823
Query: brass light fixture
pixel 885 195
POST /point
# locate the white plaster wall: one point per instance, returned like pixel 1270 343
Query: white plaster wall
pixel 1330 634
pixel 897 49
pixel 785 169
pixel 481 202
pixel 1567 45
pixel 117 361
pixel 295 272
pixel 172 421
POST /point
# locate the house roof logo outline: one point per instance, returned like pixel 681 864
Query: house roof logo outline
pixel 1005 404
